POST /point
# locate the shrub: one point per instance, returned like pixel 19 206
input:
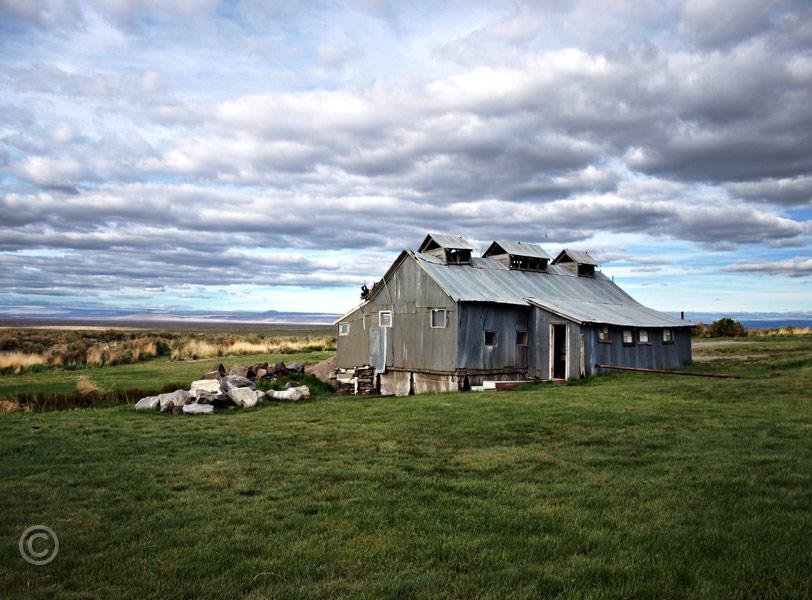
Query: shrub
pixel 726 327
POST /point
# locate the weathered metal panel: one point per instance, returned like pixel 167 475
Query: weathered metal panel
pixel 475 319
pixel 411 342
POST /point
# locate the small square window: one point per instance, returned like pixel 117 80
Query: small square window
pixel 438 318
pixel 491 338
pixel 343 329
pixel 604 335
pixel 668 336
pixel 628 337
pixel 385 318
pixel 642 336
pixel 521 338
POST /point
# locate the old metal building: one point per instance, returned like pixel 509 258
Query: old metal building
pixel 442 319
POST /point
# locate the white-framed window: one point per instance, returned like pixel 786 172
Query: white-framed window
pixel 521 338
pixel 491 338
pixel 628 337
pixel 642 336
pixel 385 318
pixel 438 318
pixel 604 335
pixel 668 336
pixel 344 328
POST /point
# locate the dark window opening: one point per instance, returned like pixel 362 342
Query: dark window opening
pixel 454 256
pixel 668 336
pixel 521 338
pixel 586 270
pixel 527 263
pixel 604 335
pixel 491 338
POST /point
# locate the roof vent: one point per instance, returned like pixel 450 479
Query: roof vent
pixel 580 263
pixel 518 256
pixel 452 249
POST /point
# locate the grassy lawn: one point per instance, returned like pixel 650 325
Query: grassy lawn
pixel 627 485
pixel 150 375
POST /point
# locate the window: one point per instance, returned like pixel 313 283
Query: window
pixel 521 338
pixel 491 338
pixel 642 336
pixel 385 318
pixel 438 318
pixel 604 335
pixel 628 337
pixel 343 329
pixel 668 336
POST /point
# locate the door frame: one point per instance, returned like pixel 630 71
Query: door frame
pixel 566 349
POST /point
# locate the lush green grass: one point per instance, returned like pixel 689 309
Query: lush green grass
pixel 150 375
pixel 626 485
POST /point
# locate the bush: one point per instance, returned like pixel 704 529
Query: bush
pixel 726 327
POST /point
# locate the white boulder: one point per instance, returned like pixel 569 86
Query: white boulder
pixel 198 409
pixel 243 396
pixel 149 403
pixel 293 394
pixel 211 386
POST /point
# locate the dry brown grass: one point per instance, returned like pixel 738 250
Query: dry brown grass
pixel 19 360
pixel 195 348
pixel 8 406
pixel 85 387
pixel 781 331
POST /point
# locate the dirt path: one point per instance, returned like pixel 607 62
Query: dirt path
pixel 713 343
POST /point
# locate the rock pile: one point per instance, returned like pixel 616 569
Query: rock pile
pixel 238 389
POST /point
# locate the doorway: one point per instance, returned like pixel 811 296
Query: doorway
pixel 558 351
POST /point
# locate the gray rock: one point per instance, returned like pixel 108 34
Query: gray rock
pixel 243 396
pixel 178 398
pixel 296 367
pixel 260 394
pixel 260 373
pixel 212 375
pixel 235 381
pixel 198 409
pixel 239 370
pixel 206 398
pixel 148 403
pixel 278 369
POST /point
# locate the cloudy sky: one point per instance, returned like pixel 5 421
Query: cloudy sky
pixel 275 154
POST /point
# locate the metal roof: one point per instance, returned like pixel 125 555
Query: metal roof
pixel 518 249
pixel 455 242
pixel 631 315
pixel 582 258
pixel 583 299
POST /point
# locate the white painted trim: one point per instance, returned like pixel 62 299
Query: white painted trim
pixel 391 318
pixel 445 318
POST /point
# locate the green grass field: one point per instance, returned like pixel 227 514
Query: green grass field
pixel 621 486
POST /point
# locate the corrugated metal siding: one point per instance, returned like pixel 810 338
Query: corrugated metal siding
pixel 475 319
pixel 411 343
pixel 655 355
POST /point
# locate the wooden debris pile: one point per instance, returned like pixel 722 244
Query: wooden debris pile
pixel 359 381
